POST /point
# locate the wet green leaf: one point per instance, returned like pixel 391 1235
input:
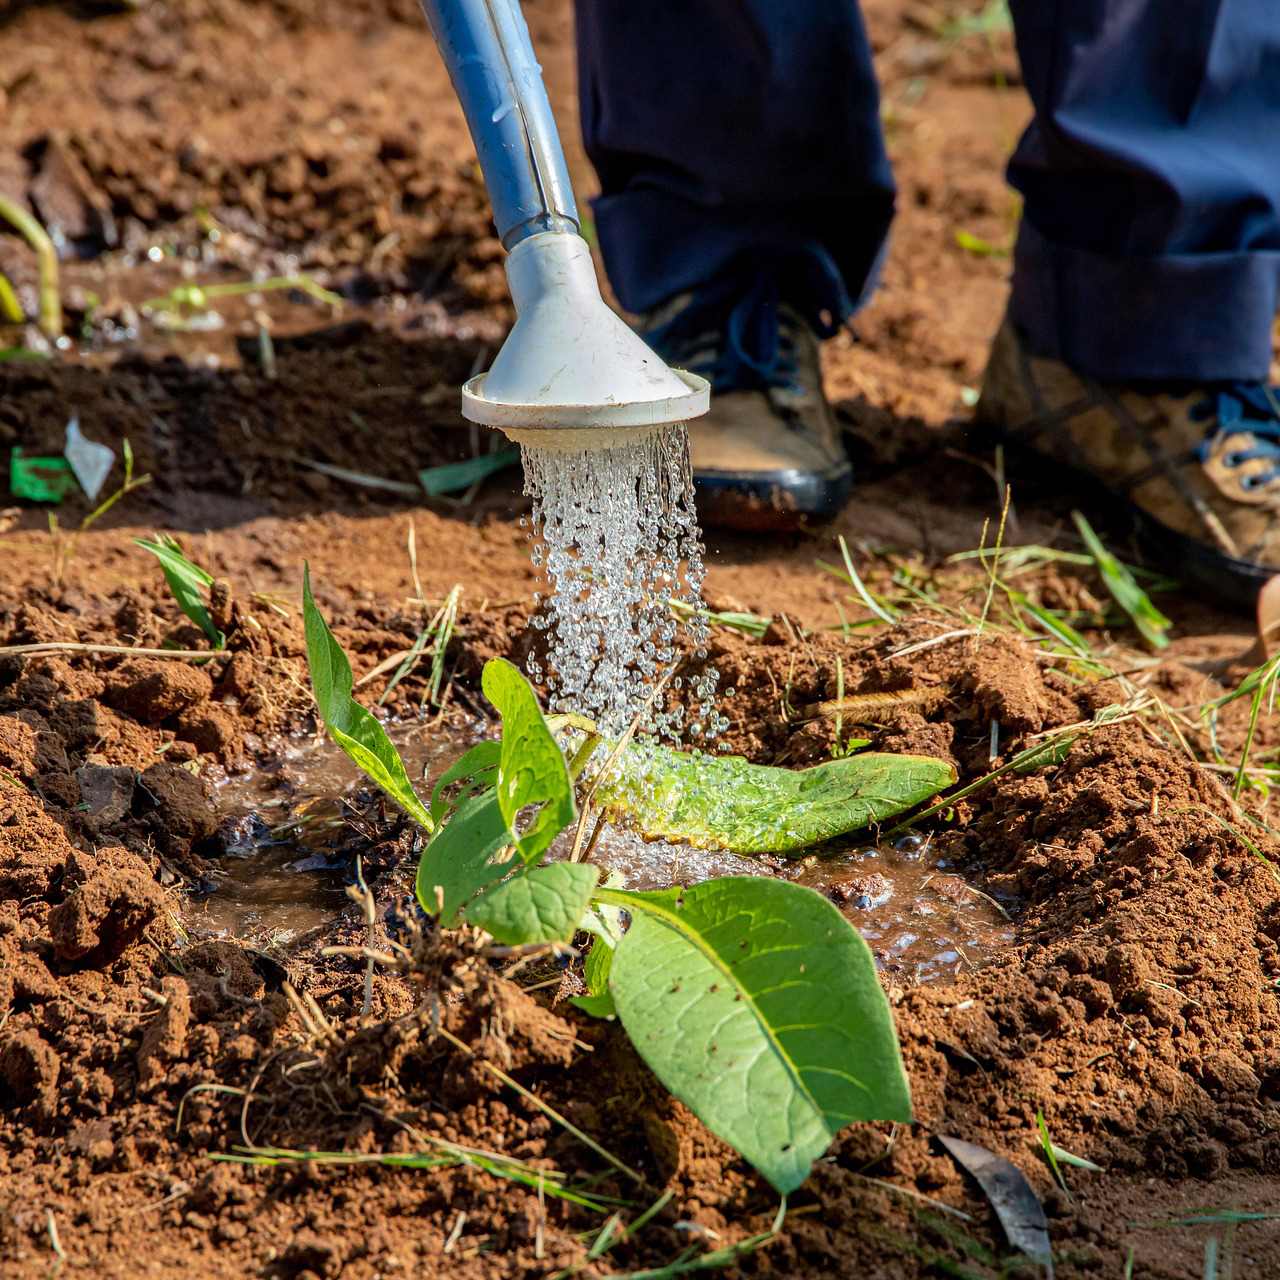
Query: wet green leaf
pixel 727 802
pixel 353 727
pixel 461 857
pixel 595 969
pixel 757 1004
pixel 604 922
pixel 531 766
pixel 478 768
pixel 540 904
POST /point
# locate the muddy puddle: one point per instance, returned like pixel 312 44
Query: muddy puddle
pixel 290 856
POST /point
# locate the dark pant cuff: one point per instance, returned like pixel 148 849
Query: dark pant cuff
pixel 656 245
pixel 1203 317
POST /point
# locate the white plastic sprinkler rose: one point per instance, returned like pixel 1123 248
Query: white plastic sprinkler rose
pixel 571 374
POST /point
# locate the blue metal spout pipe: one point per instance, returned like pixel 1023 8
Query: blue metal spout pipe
pixel 485 46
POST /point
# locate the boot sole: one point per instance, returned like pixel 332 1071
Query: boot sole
pixel 771 501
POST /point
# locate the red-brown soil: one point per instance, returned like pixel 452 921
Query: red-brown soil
pixel 1138 1010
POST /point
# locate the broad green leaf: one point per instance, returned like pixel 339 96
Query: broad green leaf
pixel 597 1006
pixel 479 767
pixel 726 802
pixel 757 1005
pixel 531 768
pixel 541 904
pixel 461 856
pixel 185 580
pixel 353 727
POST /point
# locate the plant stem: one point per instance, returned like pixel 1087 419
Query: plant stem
pixel 10 308
pixel 60 646
pixel 50 316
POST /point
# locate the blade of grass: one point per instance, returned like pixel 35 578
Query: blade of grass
pixel 1078 1162
pixel 1266 683
pixel 454 476
pixel 450 1156
pixel 10 308
pixel 1150 622
pixel 850 575
pixel 1243 839
pixel 50 313
pixel 993 568
pixel 709 1261
pixel 1052 751
pixel 751 624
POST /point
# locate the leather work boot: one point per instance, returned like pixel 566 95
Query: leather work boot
pixel 768 455
pixel 1199 467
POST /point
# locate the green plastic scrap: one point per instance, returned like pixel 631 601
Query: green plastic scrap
pixel 455 476
pixel 39 479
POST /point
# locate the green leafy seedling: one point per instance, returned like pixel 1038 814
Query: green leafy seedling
pixel 187 581
pixel 463 873
pixel 353 727
pixel 783 1033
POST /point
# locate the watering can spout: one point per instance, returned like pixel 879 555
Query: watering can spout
pixel 571 374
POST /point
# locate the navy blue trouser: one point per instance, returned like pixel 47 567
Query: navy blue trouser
pixel 1150 242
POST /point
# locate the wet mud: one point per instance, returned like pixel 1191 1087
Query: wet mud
pixel 287 860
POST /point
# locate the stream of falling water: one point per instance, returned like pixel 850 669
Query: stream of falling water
pixel 619 543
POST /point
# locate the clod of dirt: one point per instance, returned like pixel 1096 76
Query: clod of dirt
pixel 225 960
pixel 212 729
pixel 312 1254
pixel 862 891
pixel 29 1067
pixel 33 847
pixel 71 207
pixel 17 748
pixel 107 913
pixel 509 1028
pixel 239 678
pixel 152 690
pixel 106 791
pixel 181 807
pixel 166 1035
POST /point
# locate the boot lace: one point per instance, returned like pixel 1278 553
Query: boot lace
pixel 1244 408
pixel 737 333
